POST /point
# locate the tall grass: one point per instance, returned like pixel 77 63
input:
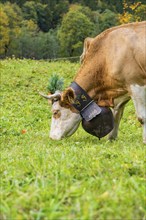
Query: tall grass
pixel 76 178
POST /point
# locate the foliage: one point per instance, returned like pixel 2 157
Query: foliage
pixel 47 45
pixel 74 29
pixel 4 30
pixel 140 12
pixel 55 83
pixel 59 9
pixel 107 19
pixel 29 11
pixel 46 14
pixel 33 44
pixel 31 22
pixel 12 14
pixel 76 178
pixel 132 12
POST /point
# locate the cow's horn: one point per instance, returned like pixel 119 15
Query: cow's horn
pixel 53 96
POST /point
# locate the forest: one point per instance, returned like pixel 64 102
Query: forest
pixel 51 29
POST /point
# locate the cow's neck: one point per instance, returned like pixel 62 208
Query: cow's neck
pixel 87 82
pixel 102 89
pixel 87 79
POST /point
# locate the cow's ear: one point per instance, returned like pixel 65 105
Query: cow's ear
pixel 68 96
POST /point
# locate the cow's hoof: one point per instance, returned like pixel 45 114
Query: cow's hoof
pixel 111 138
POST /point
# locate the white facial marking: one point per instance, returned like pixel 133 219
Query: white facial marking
pixel 64 122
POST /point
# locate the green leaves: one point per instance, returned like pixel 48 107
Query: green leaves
pixel 75 27
pixel 55 83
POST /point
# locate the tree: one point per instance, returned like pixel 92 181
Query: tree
pixel 75 27
pixel 59 9
pixel 4 30
pixel 23 45
pixel 47 45
pixel 44 17
pixel 29 11
pixel 47 14
pixel 40 13
pixel 140 13
pixel 132 12
pixel 14 17
pixel 107 19
pixel 34 45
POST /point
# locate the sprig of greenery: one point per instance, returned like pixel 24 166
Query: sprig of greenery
pixel 55 83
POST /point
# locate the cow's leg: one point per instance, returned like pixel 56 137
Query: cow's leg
pixel 119 105
pixel 117 113
pixel 138 94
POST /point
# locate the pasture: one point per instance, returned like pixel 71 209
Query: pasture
pixel 78 178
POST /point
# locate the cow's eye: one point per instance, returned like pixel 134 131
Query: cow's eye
pixel 56 114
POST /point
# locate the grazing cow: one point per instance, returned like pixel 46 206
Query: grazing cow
pixel 112 72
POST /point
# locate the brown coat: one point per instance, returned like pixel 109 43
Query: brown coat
pixel 115 60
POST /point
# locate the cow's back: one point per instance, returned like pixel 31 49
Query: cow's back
pixel 121 52
pixel 125 50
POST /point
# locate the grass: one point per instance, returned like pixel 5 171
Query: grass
pixel 78 178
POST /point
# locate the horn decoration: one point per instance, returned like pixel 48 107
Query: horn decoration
pixel 56 95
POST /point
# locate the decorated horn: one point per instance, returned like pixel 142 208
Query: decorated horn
pixel 53 96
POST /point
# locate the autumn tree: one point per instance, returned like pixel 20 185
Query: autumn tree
pixel 39 28
pixel 13 15
pixel 132 12
pixel 22 45
pixel 140 13
pixel 4 30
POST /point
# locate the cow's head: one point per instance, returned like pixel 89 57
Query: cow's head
pixel 65 119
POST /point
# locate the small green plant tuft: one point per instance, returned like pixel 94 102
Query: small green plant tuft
pixel 55 83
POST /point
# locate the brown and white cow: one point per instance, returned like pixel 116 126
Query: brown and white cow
pixel 112 72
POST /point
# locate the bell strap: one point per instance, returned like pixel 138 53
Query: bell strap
pixel 84 103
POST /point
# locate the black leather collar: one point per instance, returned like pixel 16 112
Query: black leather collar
pixel 84 104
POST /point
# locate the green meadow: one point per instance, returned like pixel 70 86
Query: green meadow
pixel 78 178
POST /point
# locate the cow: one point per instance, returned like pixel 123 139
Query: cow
pixel 112 72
